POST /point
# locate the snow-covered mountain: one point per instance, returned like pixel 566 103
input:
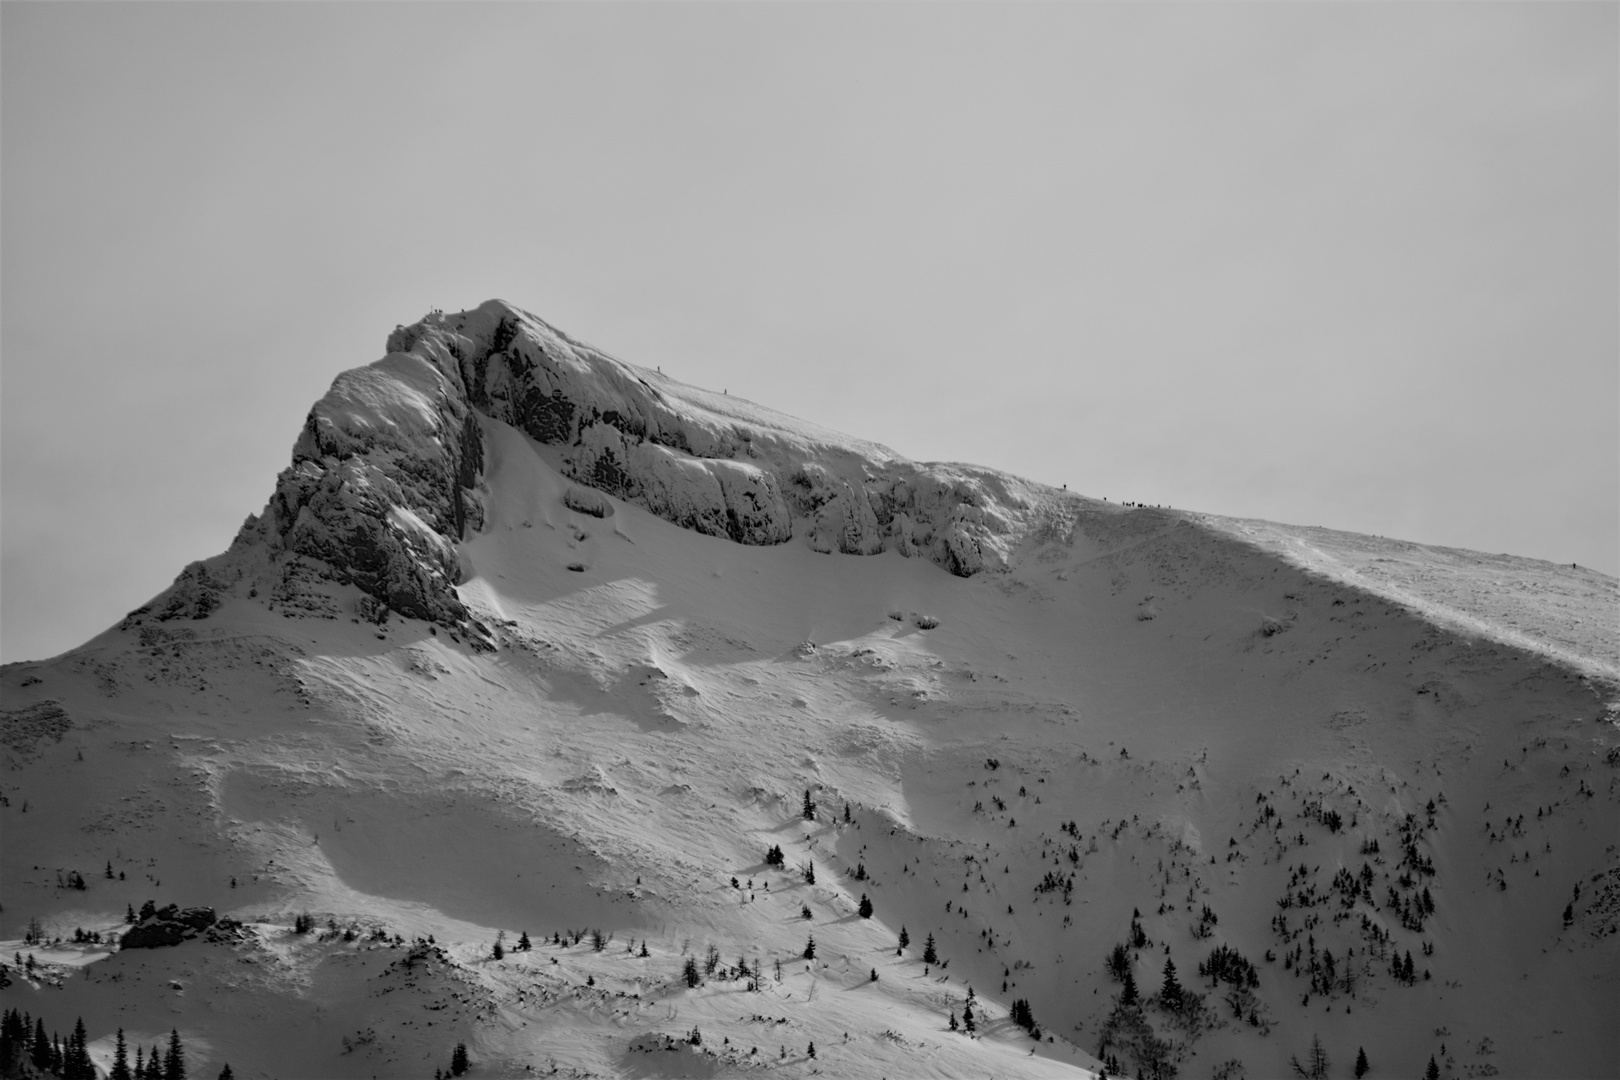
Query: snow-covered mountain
pixel 529 640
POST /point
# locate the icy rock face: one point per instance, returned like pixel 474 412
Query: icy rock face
pixel 385 475
pixel 380 488
pixel 727 469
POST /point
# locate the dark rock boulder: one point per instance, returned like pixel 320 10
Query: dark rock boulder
pixel 168 926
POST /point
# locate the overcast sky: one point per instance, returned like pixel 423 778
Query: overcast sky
pixel 1356 266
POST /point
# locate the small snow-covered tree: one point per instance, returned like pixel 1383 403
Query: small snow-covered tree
pixel 930 956
pixel 866 907
pixel 810 948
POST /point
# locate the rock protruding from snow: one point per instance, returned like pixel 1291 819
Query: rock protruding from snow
pixel 386 475
pixel 168 926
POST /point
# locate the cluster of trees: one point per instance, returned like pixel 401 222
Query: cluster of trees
pixel 1228 965
pixel 459 1063
pixel 1024 1018
pixel 23 1039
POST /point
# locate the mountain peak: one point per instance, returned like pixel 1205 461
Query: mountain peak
pixel 386 474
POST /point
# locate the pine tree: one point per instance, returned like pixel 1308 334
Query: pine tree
pixel 1128 994
pixel 458 1060
pixel 523 942
pixel 226 1074
pixel 129 913
pixel 42 1046
pixel 120 1068
pixel 1318 1061
pixel 846 813
pixel 1433 1071
pixel 76 1062
pixel 1361 1063
pixel 174 1064
pixel 809 873
pixel 866 907
pixel 1170 995
pixel 953 1020
pixel 929 955
pixel 810 948
pixel 969 1024
pixel 905 939
pixel 809 809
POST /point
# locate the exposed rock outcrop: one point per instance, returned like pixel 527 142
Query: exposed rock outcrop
pixel 168 926
pixel 386 473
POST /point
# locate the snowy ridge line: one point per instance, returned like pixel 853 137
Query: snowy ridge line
pixel 1577 626
pixel 387 480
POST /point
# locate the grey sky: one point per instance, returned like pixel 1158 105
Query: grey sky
pixel 1355 266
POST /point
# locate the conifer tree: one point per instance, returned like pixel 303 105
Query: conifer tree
pixel 809 873
pixel 866 907
pixel 174 1064
pixel 76 1064
pixel 1433 1071
pixel 969 1024
pixel 226 1074
pixel 953 1020
pixel 120 1067
pixel 1128 994
pixel 458 1060
pixel 905 939
pixel 1318 1058
pixel 42 1046
pixel 523 942
pixel 809 808
pixel 1170 995
pixel 810 948
pixel 929 955
pixel 1361 1063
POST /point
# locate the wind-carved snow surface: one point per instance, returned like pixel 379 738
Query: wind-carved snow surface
pixel 529 639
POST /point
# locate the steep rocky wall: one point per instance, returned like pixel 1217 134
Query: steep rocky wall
pixel 385 473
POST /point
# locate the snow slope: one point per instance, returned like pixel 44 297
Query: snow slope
pixel 512 701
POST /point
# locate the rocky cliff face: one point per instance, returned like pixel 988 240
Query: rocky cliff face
pixel 384 480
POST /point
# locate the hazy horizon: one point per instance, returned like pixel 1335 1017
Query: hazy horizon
pixel 1339 265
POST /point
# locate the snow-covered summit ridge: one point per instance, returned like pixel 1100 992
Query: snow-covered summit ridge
pixel 387 479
